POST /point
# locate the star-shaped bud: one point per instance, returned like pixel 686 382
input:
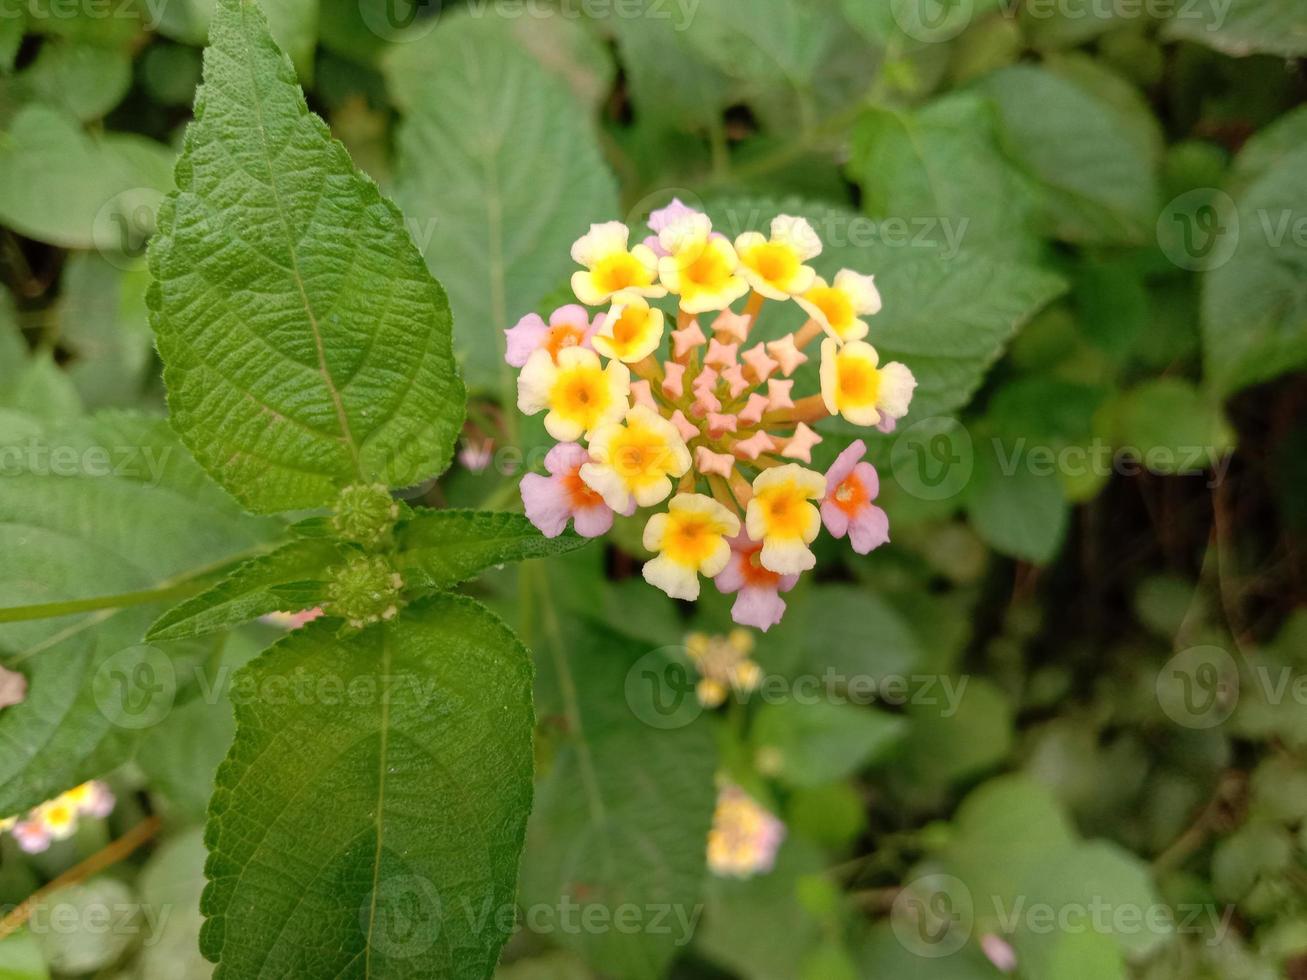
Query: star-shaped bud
pixel 719 424
pixel 673 379
pixel 706 402
pixel 734 378
pixel 706 380
pixel 760 365
pixel 684 426
pixel 721 355
pixel 710 463
pixel 778 394
pixel 732 326
pixel 751 414
pixel 754 446
pixel 686 340
pixel 641 395
pixel 786 354
pixel 800 444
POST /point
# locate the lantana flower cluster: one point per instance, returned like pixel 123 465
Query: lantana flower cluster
pixel 711 432
pixel 57 819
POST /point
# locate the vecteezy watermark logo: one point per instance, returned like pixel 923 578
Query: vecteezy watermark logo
pixel 122 227
pixel 400 20
pixel 660 688
pixel 401 917
pixel 933 459
pixel 1199 230
pixel 1199 687
pixel 136 687
pixel 933 915
pixel 932 21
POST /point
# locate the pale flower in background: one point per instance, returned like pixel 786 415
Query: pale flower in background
pixel 744 838
pixel 724 665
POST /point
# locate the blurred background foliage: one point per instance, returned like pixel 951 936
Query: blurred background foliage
pixel 1089 222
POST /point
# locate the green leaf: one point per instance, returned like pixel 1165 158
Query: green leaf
pixel 43 391
pixel 1015 501
pixel 807 743
pixel 61 186
pixel 1096 165
pixel 948 742
pixel 85 950
pixel 943 161
pixel 305 345
pixel 622 814
pixel 440 548
pixel 1254 309
pixel 104 505
pixel 385 810
pixel 1243 27
pixel 86 80
pixel 170 886
pixel 104 323
pixel 499 172
pixel 1171 427
pixel 21 959
pixel 290 579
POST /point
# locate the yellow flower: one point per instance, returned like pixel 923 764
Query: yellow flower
pixel 611 267
pixel 774 267
pixel 782 516
pixel 855 386
pixel 690 539
pixel 59 817
pixel 838 307
pixel 723 662
pixel 580 393
pixel 635 460
pixel 700 267
pixel 744 837
pixel 632 330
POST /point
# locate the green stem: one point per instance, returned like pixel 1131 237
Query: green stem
pixel 52 610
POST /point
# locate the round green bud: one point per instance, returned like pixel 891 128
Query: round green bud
pixel 364 590
pixel 365 514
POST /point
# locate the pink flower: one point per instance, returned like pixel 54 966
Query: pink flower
pixel 551 501
pixel 569 326
pixel 661 218
pixel 758 602
pixel 99 801
pixel 292 620
pixel 851 486
pixel 13 688
pixel 476 456
pixel 32 835
pixel 999 952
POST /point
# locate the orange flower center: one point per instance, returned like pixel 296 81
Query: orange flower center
pixel 563 335
pixel 578 494
pixel 851 495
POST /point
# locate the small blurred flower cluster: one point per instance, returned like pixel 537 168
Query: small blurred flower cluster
pixel 715 425
pixel 744 837
pixel 57 819
pixel 724 665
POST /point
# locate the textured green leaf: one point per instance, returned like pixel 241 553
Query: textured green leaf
pixel 1254 307
pixel 61 186
pixel 372 828
pixel 943 161
pixel 290 579
pixel 1243 27
pixel 622 814
pixel 440 548
pixel 99 507
pixel 1096 165
pixel 305 345
pixel 498 172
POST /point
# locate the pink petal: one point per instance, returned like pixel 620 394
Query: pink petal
pixel 524 339
pixel 844 464
pixel 662 217
pixel 758 607
pixel 833 516
pixel 870 479
pixel 566 457
pixel 547 503
pixel 869 529
pixel 591 522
